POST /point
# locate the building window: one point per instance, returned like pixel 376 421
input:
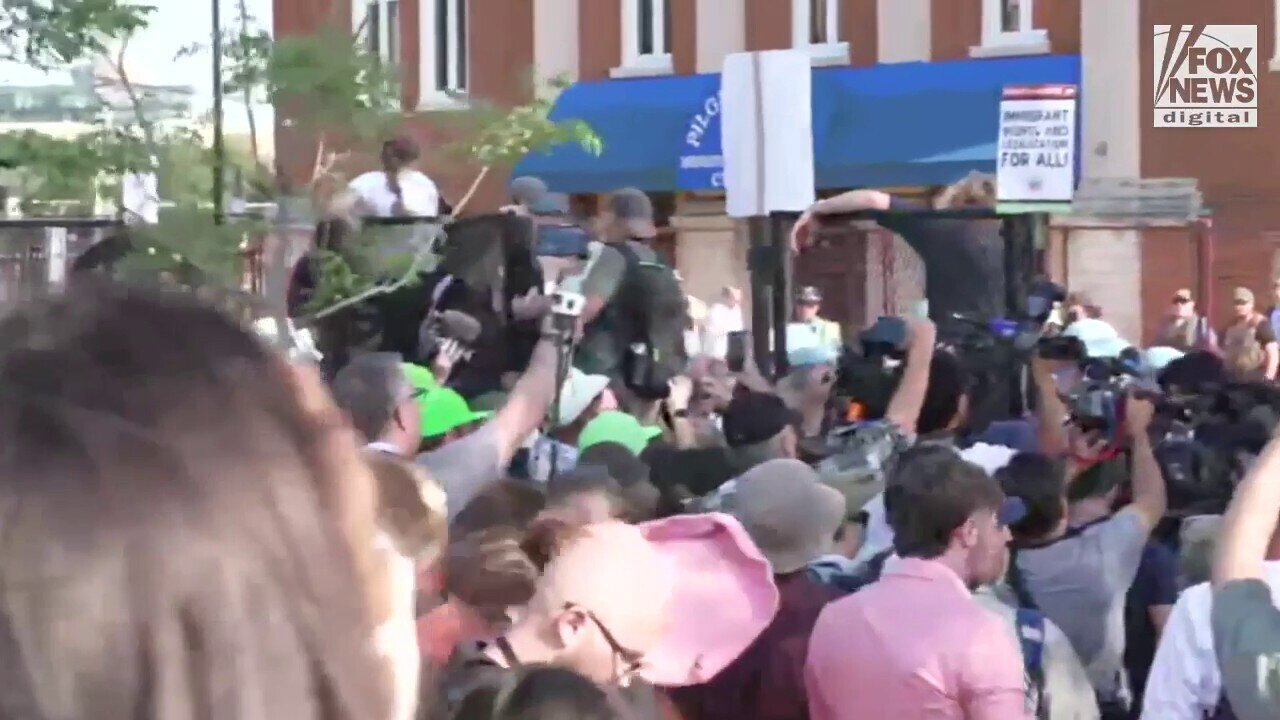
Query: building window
pixel 444 53
pixel 815 27
pixel 1008 28
pixel 646 37
pixel 377 23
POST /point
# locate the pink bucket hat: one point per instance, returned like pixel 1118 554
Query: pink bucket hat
pixel 723 598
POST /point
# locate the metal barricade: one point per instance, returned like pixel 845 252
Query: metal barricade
pixel 36 252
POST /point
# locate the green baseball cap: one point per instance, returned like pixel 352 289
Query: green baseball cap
pixel 419 377
pixel 444 410
pixel 618 427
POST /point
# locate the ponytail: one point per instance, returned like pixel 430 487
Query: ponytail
pixel 391 168
pixel 396 154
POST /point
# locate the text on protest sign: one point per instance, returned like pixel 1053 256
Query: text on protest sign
pixel 1036 154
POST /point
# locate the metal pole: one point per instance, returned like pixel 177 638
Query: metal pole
pixel 761 267
pixel 219 148
pixel 779 241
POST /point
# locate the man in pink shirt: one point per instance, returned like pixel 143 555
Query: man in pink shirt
pixel 915 644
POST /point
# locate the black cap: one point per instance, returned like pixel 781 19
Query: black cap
pixel 753 417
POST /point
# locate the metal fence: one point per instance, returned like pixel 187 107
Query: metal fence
pixel 36 253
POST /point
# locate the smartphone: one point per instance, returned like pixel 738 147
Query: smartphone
pixel 736 353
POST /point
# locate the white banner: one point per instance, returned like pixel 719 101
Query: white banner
pixel 1036 153
pixel 767 132
pixel 140 197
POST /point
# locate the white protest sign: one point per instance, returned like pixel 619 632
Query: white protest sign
pixel 766 126
pixel 140 197
pixel 1036 154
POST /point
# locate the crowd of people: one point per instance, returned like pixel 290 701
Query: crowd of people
pixel 193 525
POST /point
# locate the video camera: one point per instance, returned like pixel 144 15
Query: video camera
pixel 868 372
pixel 1204 438
pixel 1206 441
pixel 447 325
pixel 1022 334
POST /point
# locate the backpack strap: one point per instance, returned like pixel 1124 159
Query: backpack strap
pixel 628 253
pixel 1017 583
pixel 1014 578
pixel 1031 637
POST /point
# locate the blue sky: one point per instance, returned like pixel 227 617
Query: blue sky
pixel 175 24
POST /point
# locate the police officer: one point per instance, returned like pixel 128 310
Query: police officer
pixel 807 329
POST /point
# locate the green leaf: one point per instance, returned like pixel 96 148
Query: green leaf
pixel 502 136
pixel 50 33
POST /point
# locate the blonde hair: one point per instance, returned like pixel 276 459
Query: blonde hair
pixel 411 508
pixel 973 190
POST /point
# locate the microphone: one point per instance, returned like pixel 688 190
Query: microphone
pixel 457 325
pixel 446 325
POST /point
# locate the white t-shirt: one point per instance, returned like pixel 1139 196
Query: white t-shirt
pixel 722 320
pixel 421 196
pixel 1185 682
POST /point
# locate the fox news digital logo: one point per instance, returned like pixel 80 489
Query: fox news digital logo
pixel 1206 76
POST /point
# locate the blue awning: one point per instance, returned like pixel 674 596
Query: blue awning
pixel 918 123
pixel 647 125
pixel 887 125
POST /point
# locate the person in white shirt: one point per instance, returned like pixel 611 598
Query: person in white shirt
pixel 397 190
pixel 723 317
pixel 1185 683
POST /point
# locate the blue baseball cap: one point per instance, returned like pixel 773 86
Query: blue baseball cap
pixel 550 203
pixel 812 355
pixel 1011 511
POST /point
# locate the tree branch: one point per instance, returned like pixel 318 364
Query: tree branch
pixel 377 290
pixel 148 130
pixel 471 191
pixel 243 8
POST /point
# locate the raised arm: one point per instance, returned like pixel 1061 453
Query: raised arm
pixel 907 401
pixel 1051 412
pixel 852 201
pixel 1150 500
pixel 1250 520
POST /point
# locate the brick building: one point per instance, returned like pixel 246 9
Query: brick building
pixel 651 55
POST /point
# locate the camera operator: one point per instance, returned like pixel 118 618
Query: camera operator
pixel 1078 575
pixel 892 428
pixel 929 402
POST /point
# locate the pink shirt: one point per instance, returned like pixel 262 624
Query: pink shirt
pixel 913 645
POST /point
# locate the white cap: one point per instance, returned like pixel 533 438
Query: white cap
pixel 579 390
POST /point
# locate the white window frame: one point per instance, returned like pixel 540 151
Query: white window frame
pixel 634 63
pixel 359 15
pixel 832 52
pixel 996 41
pixel 454 95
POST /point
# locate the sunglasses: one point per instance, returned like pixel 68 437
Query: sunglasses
pixel 631 660
pixel 1181 300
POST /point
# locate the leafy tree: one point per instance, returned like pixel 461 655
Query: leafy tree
pixel 53 33
pixel 494 136
pixel 326 85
